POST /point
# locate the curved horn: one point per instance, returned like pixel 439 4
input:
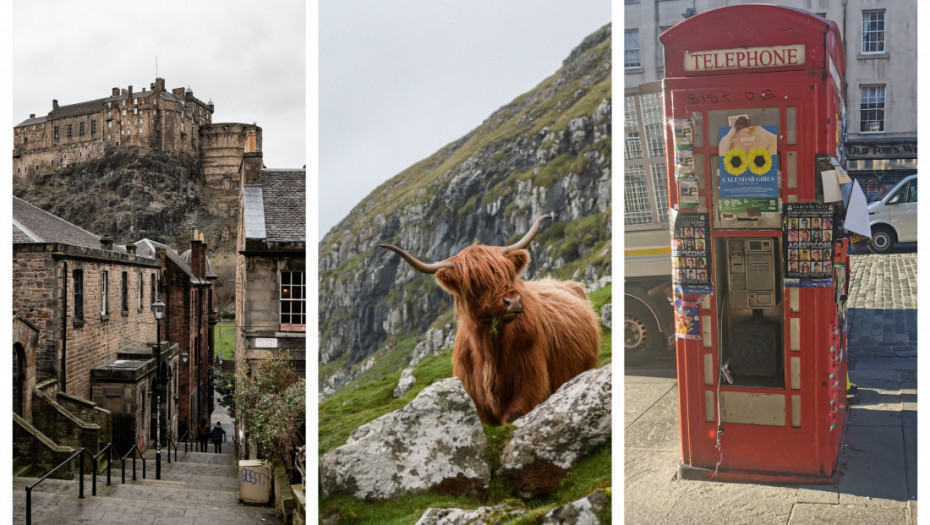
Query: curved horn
pixel 525 241
pixel 430 268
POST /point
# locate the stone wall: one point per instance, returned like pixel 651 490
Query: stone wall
pixel 88 411
pixel 43 281
pixel 63 427
pixel 222 146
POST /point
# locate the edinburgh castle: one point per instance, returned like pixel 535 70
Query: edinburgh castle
pixel 174 122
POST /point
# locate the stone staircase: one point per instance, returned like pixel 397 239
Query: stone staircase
pixel 197 488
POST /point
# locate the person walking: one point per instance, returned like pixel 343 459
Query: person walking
pixel 203 434
pixel 218 434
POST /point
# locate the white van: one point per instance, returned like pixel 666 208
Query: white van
pixel 893 216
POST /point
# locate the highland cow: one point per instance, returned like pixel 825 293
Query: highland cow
pixel 517 341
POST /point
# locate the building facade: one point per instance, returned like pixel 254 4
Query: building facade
pixel 271 314
pixel 880 37
pixel 83 305
pixel 172 121
pixel 187 289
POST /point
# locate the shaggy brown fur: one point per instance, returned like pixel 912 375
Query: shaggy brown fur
pixel 509 363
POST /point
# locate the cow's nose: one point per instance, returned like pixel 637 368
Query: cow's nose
pixel 513 304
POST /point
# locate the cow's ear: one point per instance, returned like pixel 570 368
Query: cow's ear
pixel 519 258
pixel 447 279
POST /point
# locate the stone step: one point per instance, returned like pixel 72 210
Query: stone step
pixel 142 501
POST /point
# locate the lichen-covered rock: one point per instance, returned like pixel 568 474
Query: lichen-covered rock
pixel 435 443
pixel 556 434
pixel 484 515
pixel 607 315
pixel 406 381
pixel 579 512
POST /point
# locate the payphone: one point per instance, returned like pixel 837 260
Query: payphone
pixel 753 113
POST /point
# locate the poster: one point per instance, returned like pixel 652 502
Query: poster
pixel 808 233
pixel 687 318
pixel 691 254
pixel 684 165
pixel 748 166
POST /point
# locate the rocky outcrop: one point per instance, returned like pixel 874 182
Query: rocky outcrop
pixel 484 515
pixel 406 381
pixel 435 443
pixel 580 512
pixel 568 426
pixel 547 151
pixel 607 315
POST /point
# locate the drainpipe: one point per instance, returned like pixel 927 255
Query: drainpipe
pixel 64 332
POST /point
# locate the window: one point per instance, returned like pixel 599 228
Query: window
pixel 93 127
pixel 109 124
pixel 124 303
pixel 872 109
pixel 78 284
pixel 139 301
pixel 69 131
pixel 104 306
pixel 873 32
pixel 631 49
pixel 81 129
pixel 293 308
pixel 56 132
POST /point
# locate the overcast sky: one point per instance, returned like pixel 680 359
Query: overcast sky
pixel 248 58
pixel 401 79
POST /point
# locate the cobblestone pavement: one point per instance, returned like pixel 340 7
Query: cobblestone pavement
pixel 877 466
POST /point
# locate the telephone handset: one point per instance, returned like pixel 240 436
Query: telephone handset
pixel 751 265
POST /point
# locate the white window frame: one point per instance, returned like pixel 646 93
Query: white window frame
pixel 868 105
pixel 877 43
pixel 287 296
pixel 104 300
pixel 630 51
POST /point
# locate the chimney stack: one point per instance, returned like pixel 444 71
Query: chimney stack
pixel 32 115
pixel 106 242
pixel 115 91
pixel 129 90
pixel 250 146
pixel 198 255
pixel 54 104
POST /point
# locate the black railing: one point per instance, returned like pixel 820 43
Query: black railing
pixel 134 451
pixel 80 455
pixel 186 438
pixel 96 464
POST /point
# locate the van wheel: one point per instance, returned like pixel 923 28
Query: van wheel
pixel 883 239
pixel 641 337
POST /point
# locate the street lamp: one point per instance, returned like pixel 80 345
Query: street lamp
pixel 158 308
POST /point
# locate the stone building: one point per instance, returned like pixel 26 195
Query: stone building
pixel 84 336
pixel 187 291
pixel 172 121
pixel 880 37
pixel 271 315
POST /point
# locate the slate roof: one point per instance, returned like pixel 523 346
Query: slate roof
pixel 187 258
pixel 33 224
pixel 284 199
pixel 31 121
pixel 77 109
pixel 146 248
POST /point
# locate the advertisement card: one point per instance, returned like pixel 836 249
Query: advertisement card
pixel 808 234
pixel 748 166
pixel 691 262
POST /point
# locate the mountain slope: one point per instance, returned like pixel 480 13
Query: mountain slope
pixel 547 151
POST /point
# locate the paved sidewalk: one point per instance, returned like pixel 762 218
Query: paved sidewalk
pixel 878 478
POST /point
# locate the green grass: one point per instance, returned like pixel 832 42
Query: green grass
pixel 369 398
pixel 224 340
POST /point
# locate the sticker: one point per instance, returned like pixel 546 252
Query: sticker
pixel 687 318
pixel 808 233
pixel 691 261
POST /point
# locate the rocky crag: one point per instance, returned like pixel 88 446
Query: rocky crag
pixel 132 193
pixel 547 151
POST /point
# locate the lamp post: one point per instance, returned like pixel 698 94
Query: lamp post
pixel 158 308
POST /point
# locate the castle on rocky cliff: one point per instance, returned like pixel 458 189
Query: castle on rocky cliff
pixel 173 121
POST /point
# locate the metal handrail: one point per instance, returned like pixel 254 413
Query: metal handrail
pixel 177 444
pixel 31 486
pixel 135 450
pixel 108 449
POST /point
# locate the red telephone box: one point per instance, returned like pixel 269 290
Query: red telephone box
pixel 755 113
